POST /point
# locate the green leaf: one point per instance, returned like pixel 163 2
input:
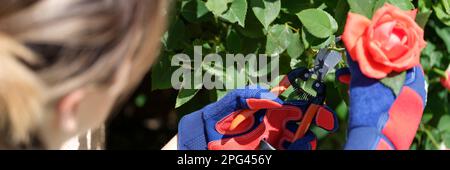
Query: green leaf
pixel 362 7
pixel 237 12
pixel 238 80
pixel 295 48
pixel 422 18
pixel 432 140
pixel 278 39
pixel 431 57
pixel 424 12
pixel 368 7
pixel 266 10
pixel 342 111
pixel 444 34
pixel 310 41
pixel 217 7
pixel 424 5
pixel 340 14
pixel 189 88
pixel 216 70
pixel 446 139
pixel 318 22
pixel 438 101
pixel 413 146
pixel 379 4
pixel 176 35
pixel 184 95
pixel 444 123
pixel 193 10
pixel 427 117
pixel 287 93
pixel 162 73
pixel 334 24
pixel 442 11
pixel 253 28
pixel 402 4
pixel 395 82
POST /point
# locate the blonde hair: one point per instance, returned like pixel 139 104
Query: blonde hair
pixel 49 47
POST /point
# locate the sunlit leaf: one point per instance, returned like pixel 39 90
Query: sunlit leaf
pixel 278 39
pixel 237 12
pixel 318 22
pixel 266 10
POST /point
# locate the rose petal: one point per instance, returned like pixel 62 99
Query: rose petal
pixel 382 32
pixel 367 65
pixel 351 35
pixel 394 40
pixel 385 18
pixel 378 16
pixel 408 60
pixel 445 81
pixel 380 57
pixel 412 56
pixel 397 51
pixel 404 18
pixel 377 54
pixel 412 14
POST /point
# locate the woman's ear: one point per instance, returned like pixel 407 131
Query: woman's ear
pixel 67 109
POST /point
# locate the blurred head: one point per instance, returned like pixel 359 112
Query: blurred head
pixel 64 64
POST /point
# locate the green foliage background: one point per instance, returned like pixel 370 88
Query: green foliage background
pixel 296 29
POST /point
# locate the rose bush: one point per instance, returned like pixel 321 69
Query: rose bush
pixel 382 38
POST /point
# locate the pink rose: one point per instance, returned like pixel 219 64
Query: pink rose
pixel 391 41
pixel 445 81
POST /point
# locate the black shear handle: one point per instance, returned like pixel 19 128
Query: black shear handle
pixel 304 75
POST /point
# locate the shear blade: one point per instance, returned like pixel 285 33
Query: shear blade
pixel 332 60
pixel 264 145
pixel 326 60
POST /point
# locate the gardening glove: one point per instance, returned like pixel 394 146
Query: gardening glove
pixel 378 118
pixel 325 119
pixel 274 122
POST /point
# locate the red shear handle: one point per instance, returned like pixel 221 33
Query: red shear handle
pixel 306 121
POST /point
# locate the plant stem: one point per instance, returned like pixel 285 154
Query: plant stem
pixel 436 80
pixel 439 72
pixel 292 28
pixel 337 49
pixel 429 135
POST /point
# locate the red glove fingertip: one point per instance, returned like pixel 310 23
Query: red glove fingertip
pixel 256 104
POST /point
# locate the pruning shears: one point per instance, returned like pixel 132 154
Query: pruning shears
pixel 325 61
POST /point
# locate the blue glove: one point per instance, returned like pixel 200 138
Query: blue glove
pixel 378 118
pixel 197 129
pixel 275 121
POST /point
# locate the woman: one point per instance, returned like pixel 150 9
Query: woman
pixel 64 64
